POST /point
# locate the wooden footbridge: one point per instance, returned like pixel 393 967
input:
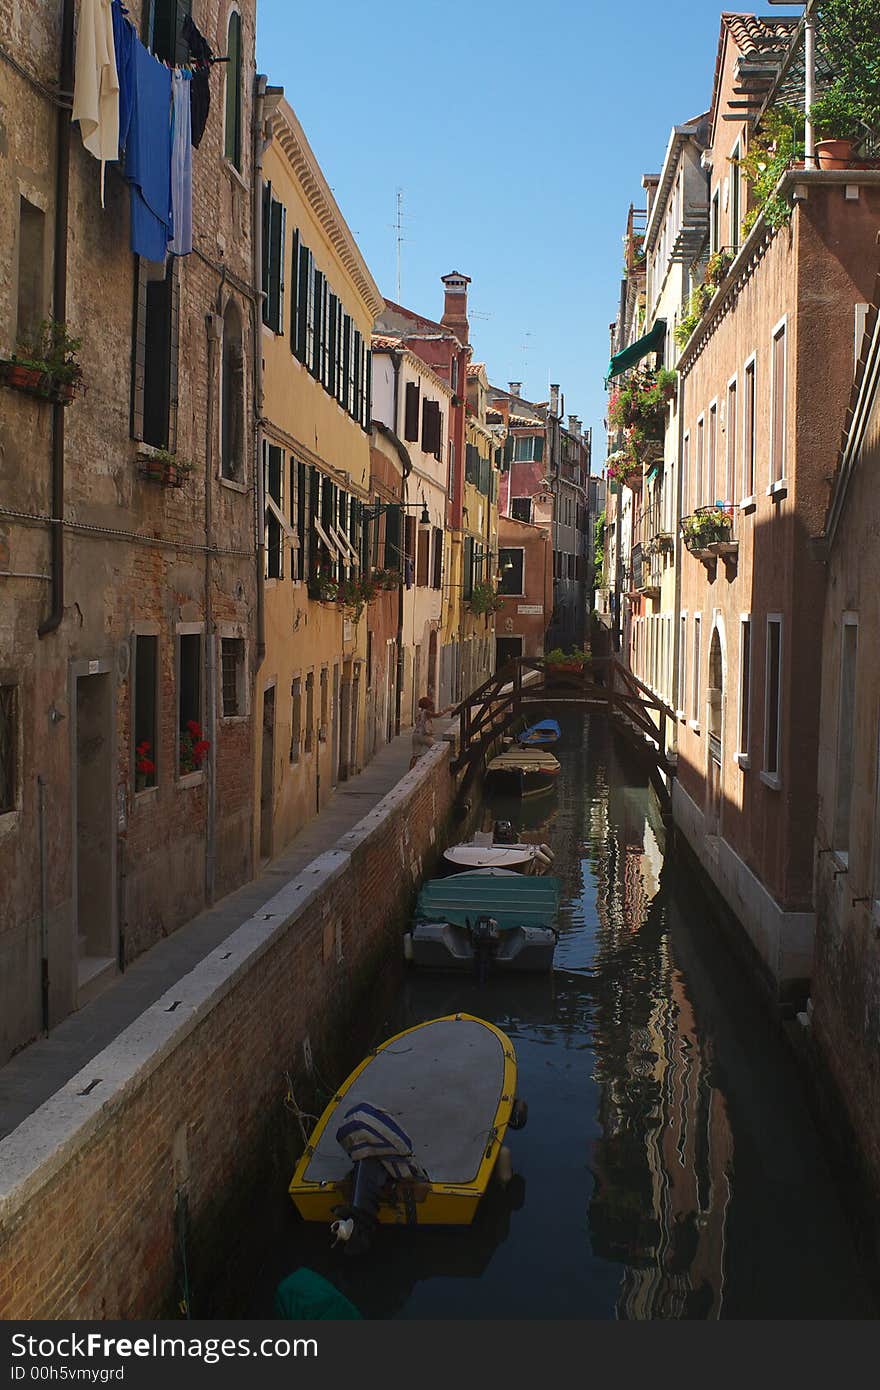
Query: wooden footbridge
pixel 527 685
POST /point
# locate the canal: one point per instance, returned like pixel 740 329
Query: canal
pixel 669 1167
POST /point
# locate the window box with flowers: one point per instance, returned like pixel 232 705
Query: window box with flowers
pixel 641 402
pixel 48 368
pixel 323 588
pixel 622 469
pixel 144 767
pixel 386 578
pixel 707 532
pixel 193 748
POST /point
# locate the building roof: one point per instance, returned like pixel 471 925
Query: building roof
pixel 474 368
pixel 863 397
pixel 421 325
pixel 696 129
pixel 753 36
pixel 287 131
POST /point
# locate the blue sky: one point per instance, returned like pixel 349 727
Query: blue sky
pixel 518 134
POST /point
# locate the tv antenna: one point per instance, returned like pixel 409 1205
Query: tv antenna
pixel 399 236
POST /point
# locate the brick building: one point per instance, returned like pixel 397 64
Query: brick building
pixel 128 605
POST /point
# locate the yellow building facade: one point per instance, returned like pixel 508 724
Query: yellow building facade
pixel 319 303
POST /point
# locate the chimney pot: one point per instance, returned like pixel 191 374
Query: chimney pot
pixel 514 387
pixel 554 399
pixel 455 307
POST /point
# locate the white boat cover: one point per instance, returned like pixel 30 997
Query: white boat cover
pixel 490 856
pixel 442 1084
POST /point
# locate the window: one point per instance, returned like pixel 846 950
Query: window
pixel 711 446
pixel 437 559
pixel 302 326
pixel 232 396
pixel 846 707
pixel 274 523
pixel 695 708
pixel 31 293
pixel 423 566
pixel 685 473
pixel 748 483
pixel 699 480
pixel 232 146
pixel 745 686
pixel 392 559
pixel 308 742
pixel 730 451
pixel 189 694
pixel 683 662
pixel 154 386
pixel 777 406
pixel 164 37
pixel 274 219
pixel 325 704
pixel 411 411
pixel 144 720
pixel 450 480
pixel 715 228
pixel 8 747
pixel 773 700
pixel 232 676
pixel 431 432
pixel 735 196
pixel 511 564
pixel 521 508
pixel 528 448
pixel 296 715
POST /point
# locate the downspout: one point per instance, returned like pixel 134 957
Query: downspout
pixel 809 84
pixel 398 691
pixel 214 326
pixel 44 904
pixel 260 146
pixel 679 549
pixel 59 309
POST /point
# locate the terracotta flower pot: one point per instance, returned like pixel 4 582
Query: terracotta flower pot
pixel 170 475
pixel 155 469
pixel 834 154
pixel 19 375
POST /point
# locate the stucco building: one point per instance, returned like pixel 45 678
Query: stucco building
pixel 128 605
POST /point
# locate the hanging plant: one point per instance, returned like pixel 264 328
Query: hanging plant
pixel 485 599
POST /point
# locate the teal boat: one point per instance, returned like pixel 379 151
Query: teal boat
pixel 485 920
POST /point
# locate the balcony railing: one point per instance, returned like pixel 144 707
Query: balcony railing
pixel 710 532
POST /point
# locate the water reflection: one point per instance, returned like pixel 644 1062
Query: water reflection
pixel 672 1169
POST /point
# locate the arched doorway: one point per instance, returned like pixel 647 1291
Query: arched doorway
pixel 715 701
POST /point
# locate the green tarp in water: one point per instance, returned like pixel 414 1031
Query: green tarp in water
pixel 514 900
pixel 305 1294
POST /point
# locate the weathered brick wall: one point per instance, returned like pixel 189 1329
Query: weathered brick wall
pixel 190 1097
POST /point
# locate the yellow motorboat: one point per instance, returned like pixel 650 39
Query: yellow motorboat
pixel 414 1134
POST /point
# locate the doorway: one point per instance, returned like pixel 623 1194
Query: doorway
pixel 432 665
pixel 345 723
pixel 507 649
pixel 94 830
pixel 267 771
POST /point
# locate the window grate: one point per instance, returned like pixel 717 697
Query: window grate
pixel 7 747
pixel 231 662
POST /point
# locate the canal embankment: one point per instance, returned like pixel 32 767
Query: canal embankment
pixel 128 1186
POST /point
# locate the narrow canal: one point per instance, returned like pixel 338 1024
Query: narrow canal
pixel 669 1167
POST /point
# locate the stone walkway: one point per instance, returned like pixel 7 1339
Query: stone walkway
pixel 35 1073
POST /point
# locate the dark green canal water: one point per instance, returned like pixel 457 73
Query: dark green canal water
pixel 669 1167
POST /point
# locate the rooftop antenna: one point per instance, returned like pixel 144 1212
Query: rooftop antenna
pixel 399 225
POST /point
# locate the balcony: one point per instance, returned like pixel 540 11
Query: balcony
pixel 645 579
pixel 710 532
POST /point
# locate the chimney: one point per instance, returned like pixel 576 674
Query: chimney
pixel 514 387
pixel 554 399
pixel 455 307
pixel 574 425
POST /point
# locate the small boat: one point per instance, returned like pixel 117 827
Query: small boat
pixel 540 735
pixel 414 1134
pixel 488 850
pixel 524 771
pixel 485 920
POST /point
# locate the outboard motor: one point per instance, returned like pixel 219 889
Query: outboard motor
pixel 380 1150
pixel 484 936
pixel 503 833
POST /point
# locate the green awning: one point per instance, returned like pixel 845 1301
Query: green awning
pixel 652 342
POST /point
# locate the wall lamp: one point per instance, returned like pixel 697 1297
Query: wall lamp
pixel 371 513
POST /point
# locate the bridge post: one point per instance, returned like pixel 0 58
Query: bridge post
pixel 517 686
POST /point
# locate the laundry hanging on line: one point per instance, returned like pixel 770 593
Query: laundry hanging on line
pixel 96 83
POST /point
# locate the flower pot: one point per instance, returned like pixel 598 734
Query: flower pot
pixel 64 392
pixel 170 475
pixel 27 377
pixel 155 469
pixel 834 154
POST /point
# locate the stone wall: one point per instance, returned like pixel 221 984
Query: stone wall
pixel 183 1113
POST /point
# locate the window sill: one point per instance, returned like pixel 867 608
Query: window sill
pixel 694 724
pixel 234 718
pixel 771 780
pixel 234 173
pixel 231 484
pixel 191 779
pixel 748 504
pixel 680 714
pixel 146 795
pixel 742 760
pixel 779 488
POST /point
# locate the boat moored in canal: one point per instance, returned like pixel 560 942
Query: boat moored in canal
pixel 485 920
pixel 541 735
pixel 414 1134
pixel 523 771
pixel 498 849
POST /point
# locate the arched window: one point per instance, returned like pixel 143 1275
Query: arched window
pixel 233 90
pixel 232 396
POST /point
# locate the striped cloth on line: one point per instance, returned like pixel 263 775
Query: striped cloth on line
pixel 368 1132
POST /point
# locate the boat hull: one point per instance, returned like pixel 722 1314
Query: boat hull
pixel 442 946
pixel 451 1067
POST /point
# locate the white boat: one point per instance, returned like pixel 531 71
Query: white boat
pixel 521 858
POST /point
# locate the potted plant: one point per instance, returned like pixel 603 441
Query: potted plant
pixel 705 527
pixel 485 599
pixel 560 663
pixel 144 767
pixel 386 578
pixel 48 367
pixel 323 587
pixel 718 265
pixel 621 468
pixel 193 747
pixel 836 121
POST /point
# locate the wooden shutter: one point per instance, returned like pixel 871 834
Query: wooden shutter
pixel 393 558
pixel 302 530
pixel 357 401
pixel 411 411
pixel 423 565
pixel 332 343
pixel 138 349
pixel 273 265
pixel 304 279
pixel 467 574
pixel 266 280
pixel 294 289
pixel 368 394
pixel 437 578
pixel 539 448
pixel 431 428
pixel 346 361
pixel 317 324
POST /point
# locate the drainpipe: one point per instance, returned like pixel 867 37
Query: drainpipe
pixel 678 552
pixel 44 904
pixel 809 83
pixel 59 310
pixel 214 326
pixel 260 146
pixel 398 693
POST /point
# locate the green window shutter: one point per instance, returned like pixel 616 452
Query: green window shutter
pixel 539 448
pixel 302 304
pixel 467 574
pixel 232 148
pixel 266 282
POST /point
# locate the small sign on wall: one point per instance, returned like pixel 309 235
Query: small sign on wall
pixel 530 608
